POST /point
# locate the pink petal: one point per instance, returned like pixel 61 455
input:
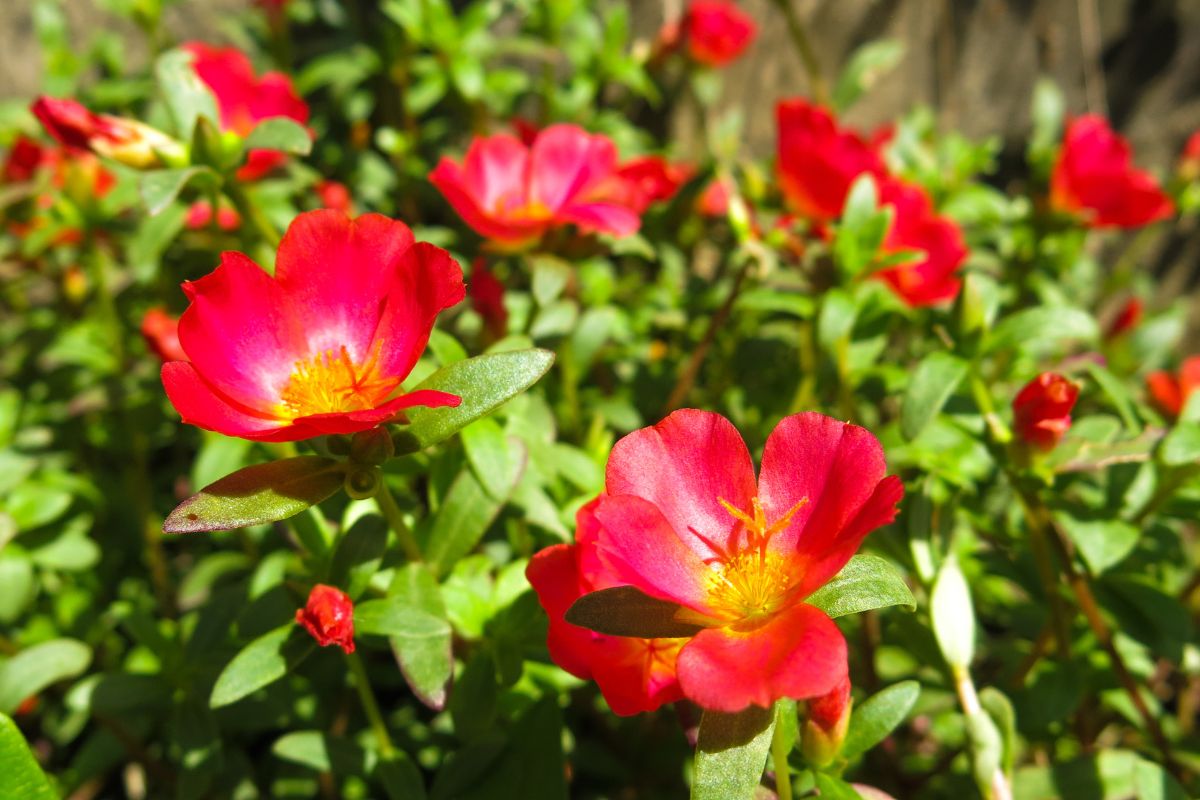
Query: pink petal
pixel 425 282
pixel 200 404
pixel 565 162
pixel 602 218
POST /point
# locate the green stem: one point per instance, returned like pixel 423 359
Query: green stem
pixel 370 706
pixel 395 519
pixel 1000 432
pixel 779 754
pixel 250 212
pixel 807 345
pixel 804 49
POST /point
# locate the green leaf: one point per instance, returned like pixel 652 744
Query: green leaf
pixel 627 611
pixel 160 187
pixel 532 764
pixel 321 752
pixel 1182 445
pixel 483 383
pixel 497 460
pixel 833 788
pixel 953 615
pixel 878 716
pixel 400 777
pixel 1041 329
pixel 20 775
pixel 280 133
pixel 866 582
pixel 862 229
pixel 550 277
pixel 473 703
pixel 867 65
pixel 358 555
pixel 426 661
pixel 33 669
pixel 464 517
pixel 260 663
pixel 1117 392
pixel 393 616
pixel 731 751
pixel 259 493
pixel 1000 709
pixel 1103 543
pixel 932 383
pixel 187 96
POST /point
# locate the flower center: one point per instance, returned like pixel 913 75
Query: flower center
pixel 330 382
pixel 531 211
pixel 753 582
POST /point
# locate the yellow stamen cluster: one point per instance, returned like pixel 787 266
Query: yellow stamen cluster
pixel 753 582
pixel 330 382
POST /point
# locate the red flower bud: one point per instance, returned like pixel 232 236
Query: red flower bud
pixel 1171 392
pixel 199 216
pixel 336 196
pixel 717 31
pixel 827 723
pixel 125 140
pixel 1126 319
pixel 1042 410
pixel 161 332
pixel 329 617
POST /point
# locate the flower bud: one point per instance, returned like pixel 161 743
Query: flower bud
pixel 826 726
pixel 329 617
pixel 361 482
pixel 1126 319
pixel 1042 410
pixel 716 31
pixel 161 332
pixel 125 140
pixel 372 447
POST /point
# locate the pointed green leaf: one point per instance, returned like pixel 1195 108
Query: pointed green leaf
pixel 20 775
pixel 33 669
pixel 464 517
pixel 260 663
pixel 731 751
pixel 627 611
pixel 280 133
pixel 878 716
pixel 187 96
pixel 483 383
pixel 260 493
pixel 160 187
pixel 932 383
pixel 866 582
pixel 426 661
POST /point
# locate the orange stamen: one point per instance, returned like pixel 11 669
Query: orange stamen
pixel 330 382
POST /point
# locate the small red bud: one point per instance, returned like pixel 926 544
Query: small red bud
pixel 329 617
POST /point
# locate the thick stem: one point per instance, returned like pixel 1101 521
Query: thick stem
pixel 804 49
pixel 395 519
pixel 779 754
pixel 370 706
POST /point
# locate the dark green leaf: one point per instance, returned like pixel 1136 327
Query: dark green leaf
pixel 465 515
pixel 878 716
pixel 483 383
pixel 866 582
pixel 627 611
pixel 473 702
pixel 400 777
pixel 33 669
pixel 260 493
pixel 731 751
pixel 932 383
pixel 280 133
pixel 358 555
pixel 532 765
pixel 20 775
pixel 260 663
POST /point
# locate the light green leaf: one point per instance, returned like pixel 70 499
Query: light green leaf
pixel 932 383
pixel 280 133
pixel 260 663
pixel 187 96
pixel 867 64
pixel 1103 543
pixel 1182 445
pixel 260 493
pixel 1042 329
pixel 33 669
pixel 464 517
pixel 878 716
pixel 731 751
pixel 953 615
pixel 160 187
pixel 20 775
pixel 426 661
pixel 866 582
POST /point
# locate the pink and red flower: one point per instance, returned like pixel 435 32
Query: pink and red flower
pixel 324 345
pixel 716 32
pixel 684 520
pixel 1171 392
pixel 1094 178
pixel 244 99
pixel 125 140
pixel 650 179
pixel 633 674
pixel 161 332
pixel 818 161
pixel 933 277
pixel 329 617
pixel 1042 409
pixel 512 194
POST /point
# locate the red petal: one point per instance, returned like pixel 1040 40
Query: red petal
pixel 685 465
pixel 469 202
pixel 838 469
pixel 602 218
pixel 355 421
pixel 565 162
pixel 199 404
pixel 799 653
pixel 425 282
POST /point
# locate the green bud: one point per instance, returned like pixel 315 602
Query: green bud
pixel 362 482
pixel 372 447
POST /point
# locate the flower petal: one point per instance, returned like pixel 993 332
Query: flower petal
pixel 451 181
pixel 239 332
pixel 837 470
pixel 355 421
pixel 199 404
pixel 566 161
pixel 425 282
pixel 495 172
pixel 799 653
pixel 685 465
pixel 602 218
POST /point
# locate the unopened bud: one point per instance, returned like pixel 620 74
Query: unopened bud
pixel 826 726
pixel 361 483
pixel 372 447
pixel 128 141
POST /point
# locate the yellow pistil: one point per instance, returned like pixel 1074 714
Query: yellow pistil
pixel 532 211
pixel 752 582
pixel 330 382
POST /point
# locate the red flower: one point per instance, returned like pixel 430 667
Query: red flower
pixel 1126 319
pixel 336 196
pixel 683 520
pixel 1094 177
pixel 1189 161
pixel 827 723
pixel 25 159
pixel 125 140
pixel 244 99
pixel 199 216
pixel 634 675
pixel 487 298
pixel 329 617
pixel 512 194
pixel 161 332
pixel 650 179
pixel 817 161
pixel 1042 410
pixel 933 277
pixel 323 346
pixel 714 200
pixel 716 31
pixel 1171 392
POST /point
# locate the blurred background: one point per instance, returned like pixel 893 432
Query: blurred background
pixel 974 62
